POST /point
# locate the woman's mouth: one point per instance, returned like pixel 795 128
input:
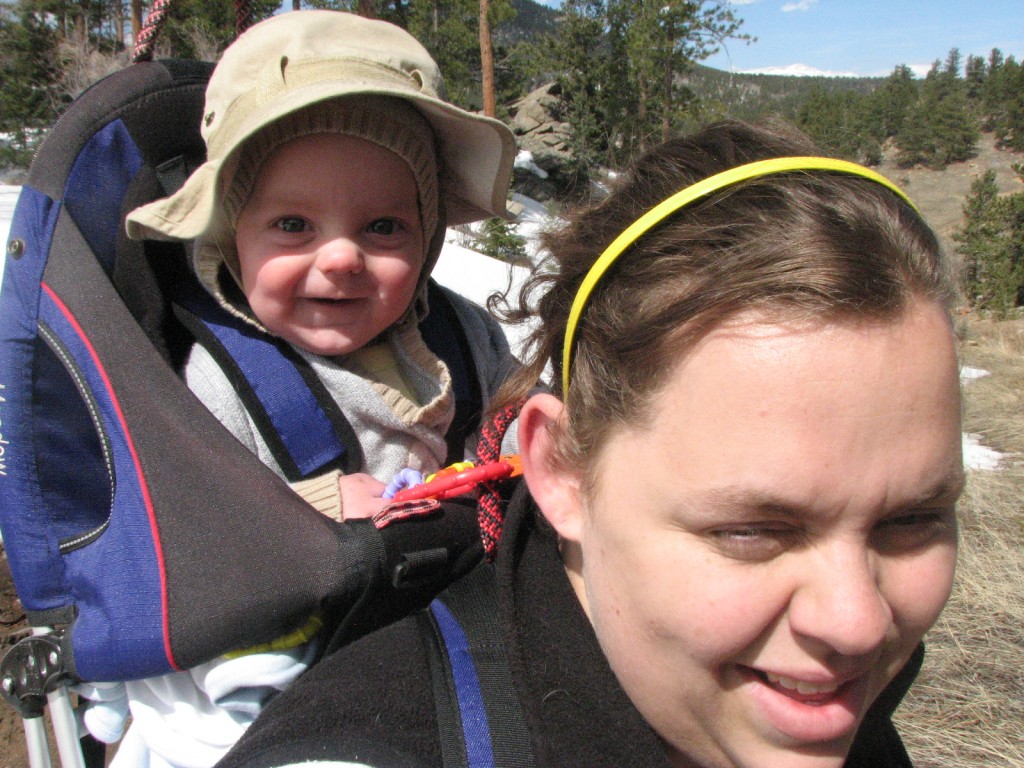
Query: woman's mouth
pixel 809 711
pixel 802 690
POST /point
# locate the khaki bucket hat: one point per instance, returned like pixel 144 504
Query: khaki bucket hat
pixel 300 58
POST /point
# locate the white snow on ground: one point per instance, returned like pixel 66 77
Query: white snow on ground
pixel 524 160
pixel 976 455
pixel 8 197
pixel 969 374
pixel 477 276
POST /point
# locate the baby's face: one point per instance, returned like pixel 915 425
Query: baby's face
pixel 330 244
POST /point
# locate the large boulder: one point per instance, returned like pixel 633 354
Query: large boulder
pixel 536 121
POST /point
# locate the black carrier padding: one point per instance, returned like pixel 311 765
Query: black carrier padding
pixel 161 105
pixel 444 334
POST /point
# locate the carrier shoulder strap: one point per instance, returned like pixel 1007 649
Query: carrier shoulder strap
pixel 446 337
pixel 479 717
pixel 295 414
pixel 300 422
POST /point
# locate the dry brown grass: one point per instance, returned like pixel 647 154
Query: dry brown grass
pixel 967 707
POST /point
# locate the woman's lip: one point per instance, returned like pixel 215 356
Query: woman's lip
pixel 801 688
pixel 825 710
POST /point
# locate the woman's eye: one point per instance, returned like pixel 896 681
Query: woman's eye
pixel 913 530
pixel 754 542
pixel 385 227
pixel 292 224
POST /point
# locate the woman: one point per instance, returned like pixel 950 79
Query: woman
pixel 738 519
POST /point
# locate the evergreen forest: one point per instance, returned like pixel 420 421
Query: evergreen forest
pixel 629 73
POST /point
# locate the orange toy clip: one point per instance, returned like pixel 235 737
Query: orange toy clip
pixel 447 484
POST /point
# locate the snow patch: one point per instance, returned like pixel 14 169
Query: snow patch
pixel 524 161
pixel 978 456
pixel 970 374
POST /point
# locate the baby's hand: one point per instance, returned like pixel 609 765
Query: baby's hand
pixel 361 495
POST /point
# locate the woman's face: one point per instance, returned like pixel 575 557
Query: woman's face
pixel 761 559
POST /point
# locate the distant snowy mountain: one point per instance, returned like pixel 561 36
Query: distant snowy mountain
pixel 798 70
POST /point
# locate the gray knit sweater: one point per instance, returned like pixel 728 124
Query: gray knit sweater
pixel 393 431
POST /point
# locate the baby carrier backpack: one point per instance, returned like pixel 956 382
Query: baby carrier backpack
pixel 142 537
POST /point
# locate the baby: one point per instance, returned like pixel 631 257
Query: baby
pixel 334 167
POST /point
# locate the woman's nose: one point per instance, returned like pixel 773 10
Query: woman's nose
pixel 339 254
pixel 841 602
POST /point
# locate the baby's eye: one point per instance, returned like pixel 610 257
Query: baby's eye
pixel 292 224
pixel 385 227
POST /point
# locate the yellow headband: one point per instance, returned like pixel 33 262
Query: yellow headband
pixel 680 200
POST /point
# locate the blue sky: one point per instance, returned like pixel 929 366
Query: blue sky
pixel 869 37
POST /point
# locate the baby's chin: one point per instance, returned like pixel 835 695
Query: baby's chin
pixel 327 343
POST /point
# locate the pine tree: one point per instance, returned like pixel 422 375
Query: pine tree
pixel 941 127
pixel 845 122
pixel 975 74
pixel 895 98
pixel 30 71
pixel 1004 103
pixel 992 244
pixel 581 56
pixel 619 64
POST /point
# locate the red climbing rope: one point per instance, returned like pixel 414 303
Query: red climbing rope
pixel 145 43
pixel 489 505
pixel 146 40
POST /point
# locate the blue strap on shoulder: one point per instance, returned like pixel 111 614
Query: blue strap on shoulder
pixel 480 718
pixel 475 729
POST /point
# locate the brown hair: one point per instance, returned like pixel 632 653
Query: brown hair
pixel 794 245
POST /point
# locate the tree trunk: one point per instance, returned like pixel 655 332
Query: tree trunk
pixel 666 107
pixel 487 60
pixel 81 28
pixel 367 9
pixel 136 19
pixel 119 23
pixel 666 97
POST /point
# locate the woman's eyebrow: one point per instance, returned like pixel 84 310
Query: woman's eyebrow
pixel 735 497
pixel 945 490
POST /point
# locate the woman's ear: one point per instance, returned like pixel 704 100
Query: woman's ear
pixel 555 489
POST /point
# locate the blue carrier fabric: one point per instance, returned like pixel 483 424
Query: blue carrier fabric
pixel 132 520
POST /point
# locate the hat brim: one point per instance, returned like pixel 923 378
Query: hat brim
pixel 477 153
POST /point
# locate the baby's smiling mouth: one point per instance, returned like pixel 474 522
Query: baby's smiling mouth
pixel 326 301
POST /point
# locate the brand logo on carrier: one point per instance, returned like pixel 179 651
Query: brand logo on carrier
pixel 3 442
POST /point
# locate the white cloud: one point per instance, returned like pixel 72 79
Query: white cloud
pixel 799 5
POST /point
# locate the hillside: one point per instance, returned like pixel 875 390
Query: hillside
pixel 940 194
pixel 748 97
pixel 531 20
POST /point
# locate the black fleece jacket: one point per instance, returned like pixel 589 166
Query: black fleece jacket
pixel 371 703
